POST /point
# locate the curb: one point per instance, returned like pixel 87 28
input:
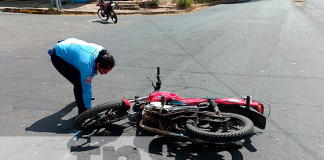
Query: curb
pixel 31 11
pixel 66 12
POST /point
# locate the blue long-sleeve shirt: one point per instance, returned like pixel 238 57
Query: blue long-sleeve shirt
pixel 82 56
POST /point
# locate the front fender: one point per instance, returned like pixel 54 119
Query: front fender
pixel 126 102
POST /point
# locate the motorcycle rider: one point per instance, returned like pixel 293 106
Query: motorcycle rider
pixel 79 61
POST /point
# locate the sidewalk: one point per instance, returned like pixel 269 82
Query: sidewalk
pixel 42 7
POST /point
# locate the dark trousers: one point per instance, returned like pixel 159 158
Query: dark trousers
pixel 73 75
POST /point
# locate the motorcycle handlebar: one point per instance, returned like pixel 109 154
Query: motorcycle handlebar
pixel 137 99
pixel 157 85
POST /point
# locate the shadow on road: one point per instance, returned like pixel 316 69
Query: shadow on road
pixel 248 143
pixel 184 150
pixel 54 123
pixel 95 142
pixel 102 22
pixel 89 140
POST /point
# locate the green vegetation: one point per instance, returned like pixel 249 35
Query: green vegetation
pixel 50 8
pixel 155 3
pixel 184 3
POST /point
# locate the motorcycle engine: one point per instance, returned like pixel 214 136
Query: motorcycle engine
pixel 152 112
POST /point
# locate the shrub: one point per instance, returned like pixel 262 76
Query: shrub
pixel 50 8
pixel 184 3
pixel 155 3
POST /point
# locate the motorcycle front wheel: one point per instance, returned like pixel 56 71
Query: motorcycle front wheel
pixel 237 128
pixel 113 16
pixel 99 116
pixel 102 15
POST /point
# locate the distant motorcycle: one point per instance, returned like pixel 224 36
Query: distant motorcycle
pixel 106 10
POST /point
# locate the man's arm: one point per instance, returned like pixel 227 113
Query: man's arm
pixel 86 89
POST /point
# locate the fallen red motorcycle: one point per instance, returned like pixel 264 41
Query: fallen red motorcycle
pixel 199 120
pixel 106 10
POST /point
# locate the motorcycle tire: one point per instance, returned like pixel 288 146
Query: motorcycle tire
pixel 99 116
pixel 102 15
pixel 239 128
pixel 113 16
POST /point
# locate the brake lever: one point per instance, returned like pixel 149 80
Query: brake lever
pixel 151 81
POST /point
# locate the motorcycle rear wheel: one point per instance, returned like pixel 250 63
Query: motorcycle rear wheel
pixel 99 116
pixel 239 128
pixel 102 15
pixel 113 16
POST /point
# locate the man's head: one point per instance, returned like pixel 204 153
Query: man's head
pixel 104 62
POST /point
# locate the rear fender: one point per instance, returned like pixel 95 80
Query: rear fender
pixel 258 119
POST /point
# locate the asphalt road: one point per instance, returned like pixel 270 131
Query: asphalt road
pixel 270 49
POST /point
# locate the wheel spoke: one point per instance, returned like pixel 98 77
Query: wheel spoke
pixel 236 128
